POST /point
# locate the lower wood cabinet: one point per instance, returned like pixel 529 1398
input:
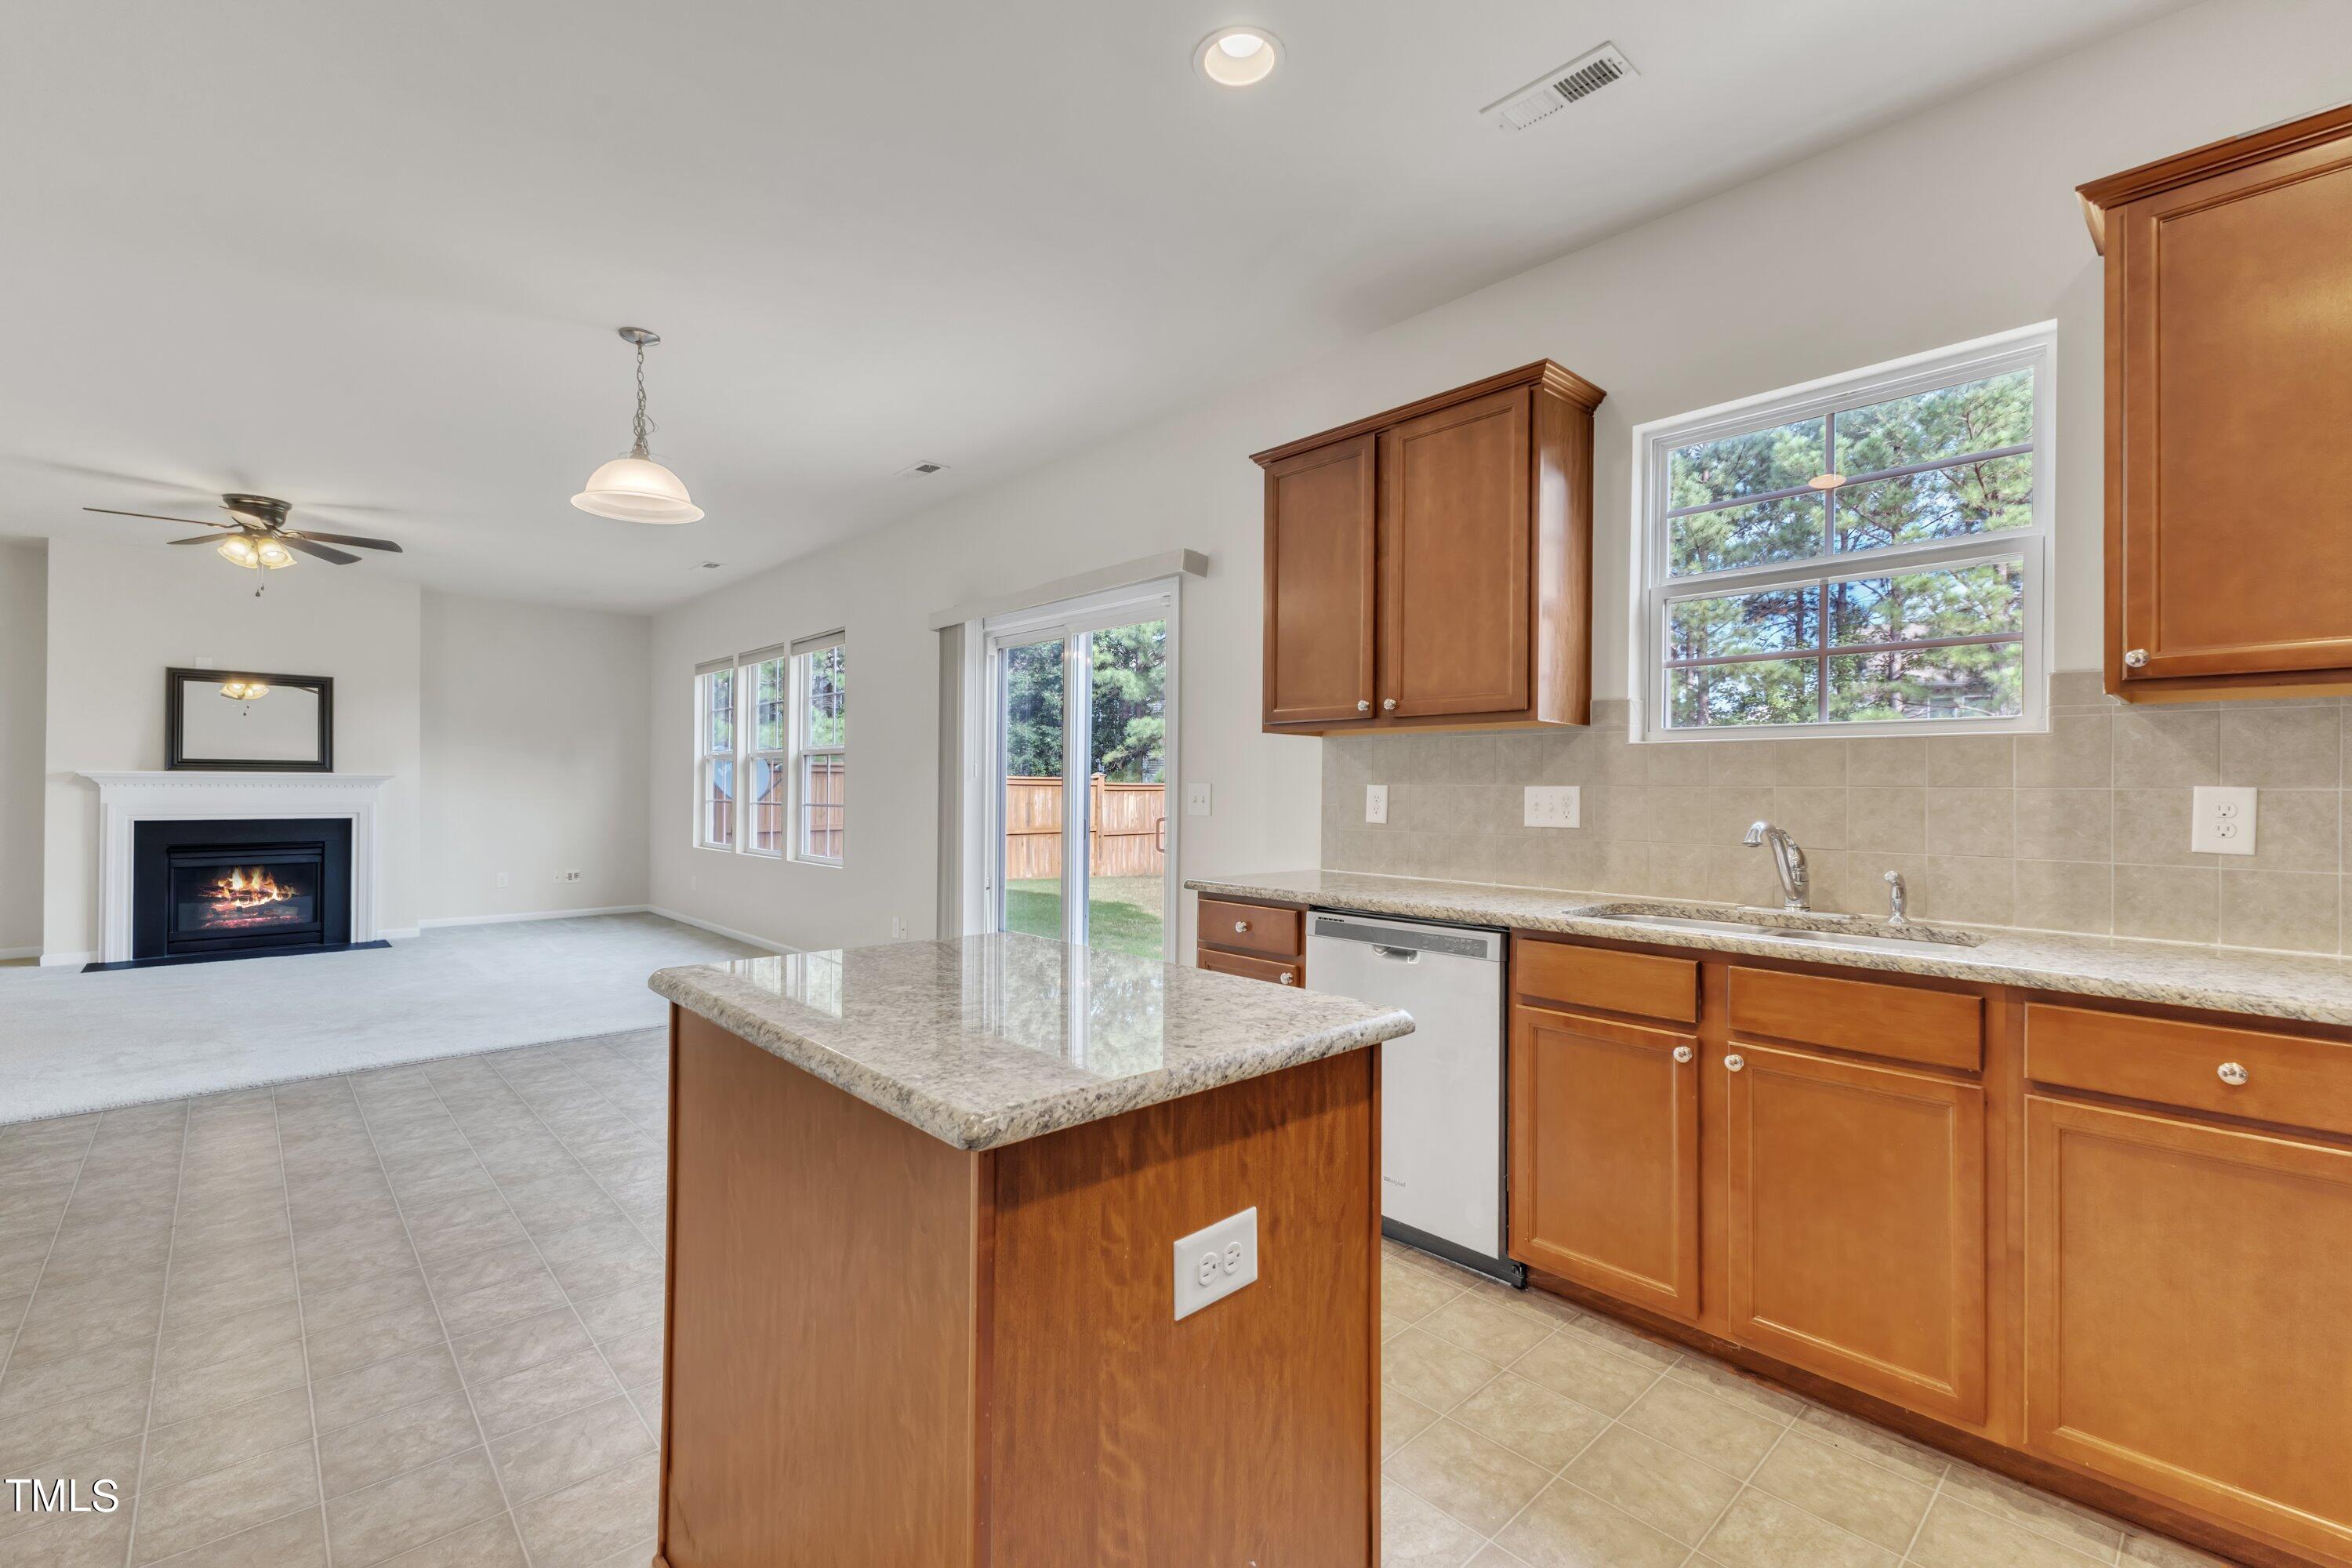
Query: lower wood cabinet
pixel 1604 1155
pixel 1855 1206
pixel 2187 1289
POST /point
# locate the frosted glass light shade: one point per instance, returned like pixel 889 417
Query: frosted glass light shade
pixel 637 489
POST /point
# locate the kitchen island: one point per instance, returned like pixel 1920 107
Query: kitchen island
pixel 925 1203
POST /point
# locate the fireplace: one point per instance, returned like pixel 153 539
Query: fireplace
pixel 239 888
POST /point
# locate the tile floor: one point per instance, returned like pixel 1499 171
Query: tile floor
pixel 413 1317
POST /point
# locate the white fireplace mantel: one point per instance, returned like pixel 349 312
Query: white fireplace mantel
pixel 125 799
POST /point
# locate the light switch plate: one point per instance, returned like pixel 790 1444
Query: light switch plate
pixel 1214 1262
pixel 1550 806
pixel 1196 798
pixel 1376 803
pixel 2222 820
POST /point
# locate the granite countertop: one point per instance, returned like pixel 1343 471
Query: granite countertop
pixel 988 1040
pixel 2315 990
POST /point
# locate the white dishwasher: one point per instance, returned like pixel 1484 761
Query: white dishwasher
pixel 1442 1170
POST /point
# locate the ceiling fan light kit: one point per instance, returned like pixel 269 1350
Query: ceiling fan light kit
pixel 635 489
pixel 259 540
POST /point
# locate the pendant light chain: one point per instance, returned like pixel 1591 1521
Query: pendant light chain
pixel 644 425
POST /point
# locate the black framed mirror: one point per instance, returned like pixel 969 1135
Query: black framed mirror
pixel 250 720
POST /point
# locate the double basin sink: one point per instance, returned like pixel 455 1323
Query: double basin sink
pixel 1804 928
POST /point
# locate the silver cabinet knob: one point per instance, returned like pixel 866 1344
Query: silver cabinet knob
pixel 1733 1062
pixel 1241 925
pixel 1387 704
pixel 1682 1054
pixel 2232 1073
pixel 2136 658
pixel 1363 704
pixel 1289 978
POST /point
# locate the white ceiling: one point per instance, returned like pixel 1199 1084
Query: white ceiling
pixel 369 258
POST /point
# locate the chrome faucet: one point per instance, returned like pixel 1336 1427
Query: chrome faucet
pixel 1796 884
pixel 1896 901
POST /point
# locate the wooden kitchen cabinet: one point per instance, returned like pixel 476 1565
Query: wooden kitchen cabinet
pixel 2187 1288
pixel 1260 942
pixel 1604 1155
pixel 1855 1198
pixel 2229 532
pixel 1430 566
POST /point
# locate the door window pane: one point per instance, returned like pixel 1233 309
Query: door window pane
pixel 1126 886
pixel 1032 809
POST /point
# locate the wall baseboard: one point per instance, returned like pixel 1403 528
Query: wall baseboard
pixel 9 953
pixel 715 929
pixel 533 915
pixel 59 959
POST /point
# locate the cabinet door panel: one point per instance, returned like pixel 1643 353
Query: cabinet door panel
pixel 1856 1210
pixel 2186 1288
pixel 1320 561
pixel 2237 547
pixel 1457 554
pixel 1605 1156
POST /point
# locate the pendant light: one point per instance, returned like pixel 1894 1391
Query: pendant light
pixel 635 489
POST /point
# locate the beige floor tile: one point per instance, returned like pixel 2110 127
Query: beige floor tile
pixel 224 1437
pixel 572 1448
pixel 1701 1423
pixel 362 1341
pixel 1439 1374
pixel 74 1424
pixel 514 1347
pixel 1749 1394
pixel 591 1259
pixel 492 1544
pixel 409 1510
pixel 196 1512
pixel 70 1540
pixel 1409 1293
pixel 1627 1341
pixel 371 1391
pixel 1418 1534
pixel 1488 1327
pixel 624 1312
pixel 1476 1480
pixel 1568 1527
pixel 1530 1419
pixel 33 1385
pixel 1492 1556
pixel 186 1393
pixel 635 1356
pixel 1845 1488
pixel 1662 1487
pixel 543 1391
pixel 2061 1520
pixel 2164 1552
pixel 402 1288
pixel 590 1518
pixel 382 1447
pixel 1875 1444
pixel 1587 1371
pixel 1959 1536
pixel 1759 1531
pixel 296 1540
pixel 1403 1418
pixel 521 1296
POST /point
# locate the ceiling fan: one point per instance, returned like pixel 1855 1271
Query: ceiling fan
pixel 259 537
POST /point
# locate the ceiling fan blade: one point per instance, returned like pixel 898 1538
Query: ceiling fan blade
pixel 158 517
pixel 200 539
pixel 296 541
pixel 362 542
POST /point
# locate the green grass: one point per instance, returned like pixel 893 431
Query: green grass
pixel 1123 912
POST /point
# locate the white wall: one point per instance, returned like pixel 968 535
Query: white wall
pixel 1956 223
pixel 24 659
pixel 534 722
pixel 118 615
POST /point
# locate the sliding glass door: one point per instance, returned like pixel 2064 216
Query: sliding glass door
pixel 1083 761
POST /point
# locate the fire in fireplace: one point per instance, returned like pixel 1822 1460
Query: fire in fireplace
pixel 218 889
pixel 250 898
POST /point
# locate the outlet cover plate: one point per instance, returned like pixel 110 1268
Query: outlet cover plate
pixel 1550 806
pixel 1215 1261
pixel 1376 803
pixel 2222 820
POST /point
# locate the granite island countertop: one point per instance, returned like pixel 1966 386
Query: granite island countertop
pixel 988 1040
pixel 2310 989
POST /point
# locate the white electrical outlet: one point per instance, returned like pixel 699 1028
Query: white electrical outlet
pixel 502 879
pixel 2222 820
pixel 1376 803
pixel 567 876
pixel 1214 1263
pixel 1550 805
pixel 1196 798
pixel 897 928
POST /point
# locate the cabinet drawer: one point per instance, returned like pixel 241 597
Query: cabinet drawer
pixel 2287 1079
pixel 1253 927
pixel 1642 984
pixel 1908 1023
pixel 1282 972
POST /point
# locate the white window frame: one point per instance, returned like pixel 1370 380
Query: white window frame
pixel 985 642
pixel 796 835
pixel 750 753
pixel 704 756
pixel 2033 348
pixel 744 669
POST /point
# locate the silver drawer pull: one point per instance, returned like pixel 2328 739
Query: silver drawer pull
pixel 1289 978
pixel 2232 1073
pixel 1733 1062
pixel 1389 704
pixel 1363 704
pixel 1241 925
pixel 1682 1054
pixel 2136 658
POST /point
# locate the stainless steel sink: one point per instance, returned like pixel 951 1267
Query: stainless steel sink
pixel 1807 929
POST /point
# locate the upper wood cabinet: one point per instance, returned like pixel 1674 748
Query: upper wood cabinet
pixel 2229 531
pixel 1430 566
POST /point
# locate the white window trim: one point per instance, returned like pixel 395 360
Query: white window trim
pixel 1649 588
pixel 704 757
pixel 800 751
pixel 745 670
pixel 984 644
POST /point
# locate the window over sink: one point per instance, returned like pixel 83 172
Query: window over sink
pixel 1862 555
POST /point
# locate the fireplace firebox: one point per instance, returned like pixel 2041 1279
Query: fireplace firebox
pixel 234 889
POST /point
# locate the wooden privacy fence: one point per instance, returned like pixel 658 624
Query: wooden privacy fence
pixel 1127 833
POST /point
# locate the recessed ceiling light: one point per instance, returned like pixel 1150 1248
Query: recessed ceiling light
pixel 1238 56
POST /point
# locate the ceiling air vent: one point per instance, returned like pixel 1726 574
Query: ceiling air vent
pixel 921 471
pixel 1555 90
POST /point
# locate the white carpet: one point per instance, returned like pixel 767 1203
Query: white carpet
pixel 72 1042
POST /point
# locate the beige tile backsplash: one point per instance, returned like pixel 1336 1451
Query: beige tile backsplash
pixel 2084 828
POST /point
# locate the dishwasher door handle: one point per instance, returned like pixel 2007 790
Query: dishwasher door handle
pixel 1401 955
